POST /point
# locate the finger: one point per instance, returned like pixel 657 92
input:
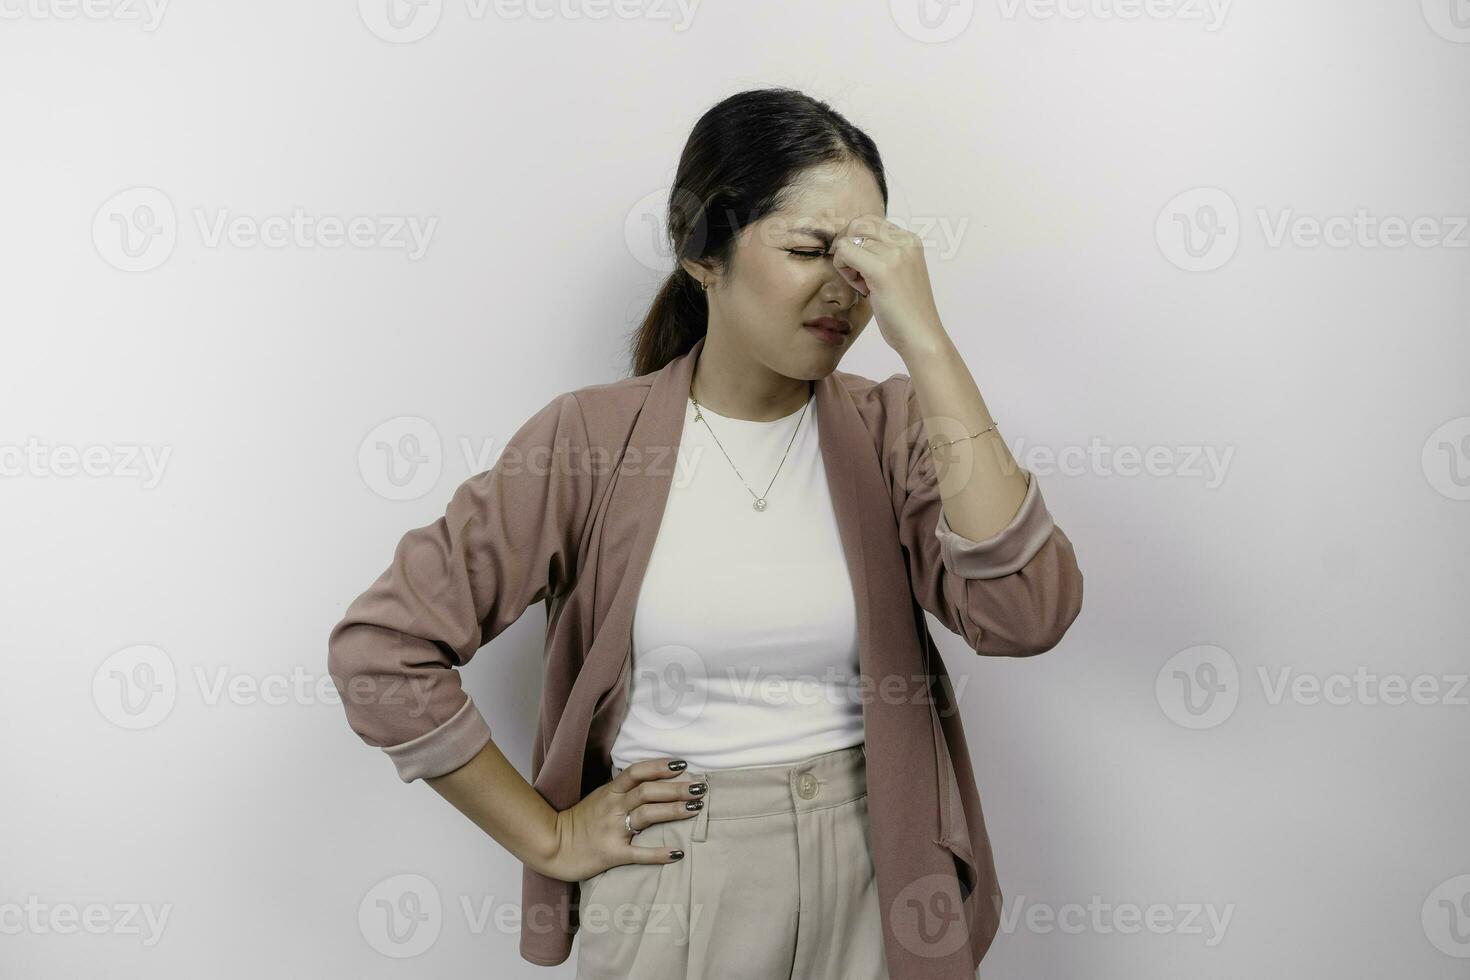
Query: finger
pixel 652 802
pixel 638 854
pixel 649 814
pixel 863 259
pixel 639 772
pixel 871 225
pixel 665 790
pixel 635 853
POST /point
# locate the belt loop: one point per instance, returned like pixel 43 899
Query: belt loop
pixel 701 823
pixel 701 819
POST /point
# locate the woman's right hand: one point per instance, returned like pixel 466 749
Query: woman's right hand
pixel 591 836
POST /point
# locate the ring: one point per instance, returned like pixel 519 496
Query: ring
pixel 628 822
pixel 858 241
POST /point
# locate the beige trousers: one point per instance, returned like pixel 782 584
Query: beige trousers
pixel 776 882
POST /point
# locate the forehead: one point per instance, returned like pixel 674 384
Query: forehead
pixel 827 198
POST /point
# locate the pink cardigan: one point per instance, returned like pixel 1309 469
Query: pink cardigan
pixel 568 515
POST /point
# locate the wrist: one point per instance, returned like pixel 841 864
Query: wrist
pixel 932 346
pixel 546 843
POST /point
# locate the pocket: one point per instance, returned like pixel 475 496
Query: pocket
pixel 652 836
pixel 587 885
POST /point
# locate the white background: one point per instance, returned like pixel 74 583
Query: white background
pixel 1051 145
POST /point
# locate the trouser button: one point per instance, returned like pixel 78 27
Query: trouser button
pixel 806 787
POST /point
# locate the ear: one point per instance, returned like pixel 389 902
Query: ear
pixel 698 270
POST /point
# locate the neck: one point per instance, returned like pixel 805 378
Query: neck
pixel 737 387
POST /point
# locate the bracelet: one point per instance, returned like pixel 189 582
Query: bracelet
pixel 936 443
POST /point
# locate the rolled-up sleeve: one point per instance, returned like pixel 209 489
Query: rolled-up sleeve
pixel 1015 593
pixel 508 538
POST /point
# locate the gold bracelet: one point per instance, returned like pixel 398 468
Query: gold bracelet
pixel 936 443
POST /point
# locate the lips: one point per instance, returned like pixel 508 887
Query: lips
pixel 831 324
pixel 826 336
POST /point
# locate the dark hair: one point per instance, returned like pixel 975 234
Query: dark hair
pixel 738 165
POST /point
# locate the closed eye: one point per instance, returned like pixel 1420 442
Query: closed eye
pixel 807 253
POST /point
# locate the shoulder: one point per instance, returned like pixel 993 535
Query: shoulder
pixel 609 410
pixel 884 405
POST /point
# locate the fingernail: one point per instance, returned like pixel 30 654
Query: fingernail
pixel 697 788
pixel 694 805
pixel 676 854
pixel 678 765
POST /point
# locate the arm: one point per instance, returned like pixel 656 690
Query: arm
pixel 509 538
pixel 1014 590
pixel 494 795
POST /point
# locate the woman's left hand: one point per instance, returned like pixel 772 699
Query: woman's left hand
pixel 889 269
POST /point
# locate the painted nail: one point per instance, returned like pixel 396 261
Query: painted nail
pixel 676 854
pixel 694 805
pixel 678 765
pixel 697 788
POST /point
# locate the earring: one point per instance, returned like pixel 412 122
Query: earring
pixel 703 286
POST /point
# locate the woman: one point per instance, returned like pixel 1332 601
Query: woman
pixel 740 689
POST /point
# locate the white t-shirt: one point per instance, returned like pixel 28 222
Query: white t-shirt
pixel 745 630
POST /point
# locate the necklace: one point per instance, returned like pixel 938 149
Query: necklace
pixel 760 502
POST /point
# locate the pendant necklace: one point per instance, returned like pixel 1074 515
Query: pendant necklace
pixel 759 503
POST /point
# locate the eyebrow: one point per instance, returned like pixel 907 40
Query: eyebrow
pixel 820 234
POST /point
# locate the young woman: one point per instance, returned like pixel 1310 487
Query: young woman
pixel 749 762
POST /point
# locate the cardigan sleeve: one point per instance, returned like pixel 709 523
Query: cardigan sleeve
pixel 1015 593
pixel 508 538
